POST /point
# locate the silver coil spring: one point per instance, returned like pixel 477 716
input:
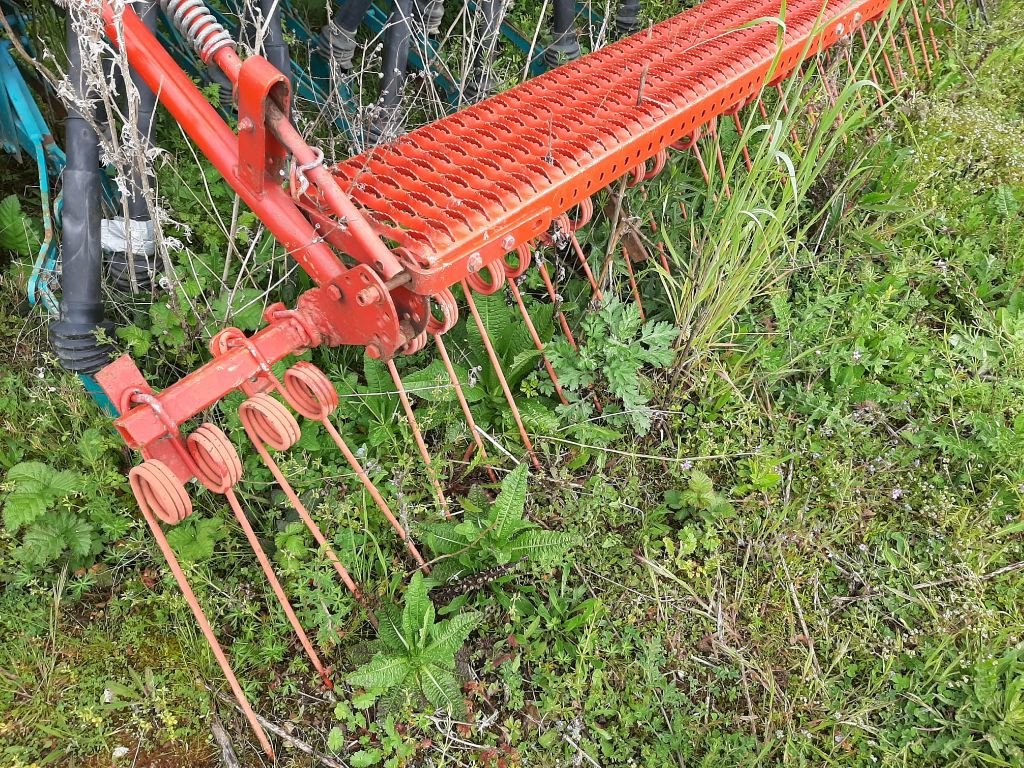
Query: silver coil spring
pixel 200 27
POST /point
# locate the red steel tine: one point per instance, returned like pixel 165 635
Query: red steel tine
pixel 910 48
pixel 877 36
pixel 463 403
pixel 931 31
pixel 586 265
pixel 267 422
pixel 895 48
pixel 562 321
pixel 219 469
pixel 313 395
pixel 743 144
pixel 871 67
pixel 920 38
pixel 536 339
pixel 500 373
pixel 700 162
pixel 632 283
pixel 720 159
pixel 161 495
pixel 418 437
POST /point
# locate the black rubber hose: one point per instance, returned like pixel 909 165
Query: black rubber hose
pixel 338 39
pixel 627 20
pixel 480 84
pixel 275 46
pixel 396 53
pixel 142 264
pixel 81 307
pixel 351 14
pixel 565 45
pixel 385 120
pixel 138 209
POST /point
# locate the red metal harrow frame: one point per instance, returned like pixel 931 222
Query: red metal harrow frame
pixel 460 202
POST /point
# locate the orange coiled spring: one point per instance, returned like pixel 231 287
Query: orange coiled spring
pixel 160 492
pixel 494 282
pixel 445 301
pixel 313 395
pixel 218 466
pixel 268 422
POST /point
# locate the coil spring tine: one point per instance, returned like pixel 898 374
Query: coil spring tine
pixel 532 329
pixel 463 403
pixel 871 67
pixel 382 505
pixel 720 158
pixel 921 39
pixel 261 415
pixel 891 41
pixel 500 373
pixel 910 48
pixel 574 241
pixel 633 284
pixel 220 469
pixel 743 144
pixel 877 37
pixel 931 31
pixel 562 321
pixel 312 394
pixel 154 485
pixel 403 396
pixel 275 584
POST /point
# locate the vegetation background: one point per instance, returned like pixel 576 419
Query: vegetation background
pixel 793 535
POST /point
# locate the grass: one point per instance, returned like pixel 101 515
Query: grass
pixel 814 557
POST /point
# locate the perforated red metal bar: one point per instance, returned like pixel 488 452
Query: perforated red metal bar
pixel 459 194
pixel 464 191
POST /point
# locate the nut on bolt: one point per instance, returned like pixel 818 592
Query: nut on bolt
pixel 367 296
pixel 475 263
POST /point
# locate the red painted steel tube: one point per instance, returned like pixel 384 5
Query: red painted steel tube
pixel 197 392
pixel 217 142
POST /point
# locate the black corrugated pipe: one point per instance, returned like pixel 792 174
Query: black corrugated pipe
pixel 627 20
pixel 81 306
pixel 386 120
pixel 338 39
pixel 565 43
pixel 142 240
pixel 479 85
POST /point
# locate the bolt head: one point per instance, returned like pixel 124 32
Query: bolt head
pixel 475 263
pixel 508 243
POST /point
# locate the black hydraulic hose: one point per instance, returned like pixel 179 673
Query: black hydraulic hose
pixel 385 119
pixel 81 307
pixel 396 53
pixel 138 209
pixel 480 84
pixel 338 39
pixel 565 44
pixel 351 13
pixel 274 45
pixel 627 20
